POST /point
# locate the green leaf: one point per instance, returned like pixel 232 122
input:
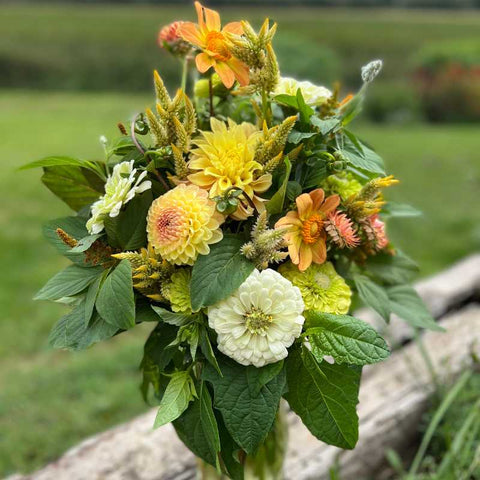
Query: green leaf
pixel 327 125
pixel 373 295
pixel 72 333
pixel 316 171
pixel 392 269
pixel 91 296
pixel 191 432
pixel 115 301
pixel 296 136
pixel 75 227
pixel 53 161
pixel 247 416
pixel 144 313
pixel 177 319
pixel 366 159
pixel 258 377
pixel 128 230
pixel 345 338
pixel 352 108
pixel 324 396
pixel 305 111
pixel 209 422
pixel 275 204
pixel 401 210
pixel 405 302
pixel 179 393
pixel 217 275
pixel 294 189
pixel 286 100
pixel 76 186
pixel 207 350
pixel 190 335
pixel 68 282
pixel 85 243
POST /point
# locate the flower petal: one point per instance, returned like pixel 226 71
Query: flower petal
pixel 304 204
pixel 317 197
pixel 319 251
pixel 212 19
pixel 306 257
pixel 225 73
pixel 233 27
pixel 241 71
pixel 330 204
pixel 204 62
pixel 189 32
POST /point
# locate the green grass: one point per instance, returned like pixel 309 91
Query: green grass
pixel 51 400
pixel 92 47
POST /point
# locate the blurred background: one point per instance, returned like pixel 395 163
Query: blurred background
pixel 69 71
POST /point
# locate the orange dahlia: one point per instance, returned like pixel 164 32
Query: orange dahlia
pixel 214 41
pixel 182 223
pixel 305 228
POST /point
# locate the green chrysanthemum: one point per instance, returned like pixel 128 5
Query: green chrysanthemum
pixel 343 184
pixel 322 289
pixel 178 291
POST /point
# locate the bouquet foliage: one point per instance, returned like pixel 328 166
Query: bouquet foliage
pixel 242 221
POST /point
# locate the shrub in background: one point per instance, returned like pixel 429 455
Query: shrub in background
pixel 447 77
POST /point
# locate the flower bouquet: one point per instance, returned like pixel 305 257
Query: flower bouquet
pixel 242 221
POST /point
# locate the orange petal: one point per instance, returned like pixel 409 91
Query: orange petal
pixel 189 32
pixel 199 9
pixel 204 62
pixel 304 205
pixel 212 19
pixel 330 204
pixel 294 245
pixel 241 71
pixel 306 257
pixel 225 73
pixel 233 27
pixel 317 197
pixel 319 251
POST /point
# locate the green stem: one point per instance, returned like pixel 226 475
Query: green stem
pixel 210 96
pixel 266 110
pixel 184 74
pixel 427 359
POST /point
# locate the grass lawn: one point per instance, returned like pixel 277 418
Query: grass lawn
pixel 51 400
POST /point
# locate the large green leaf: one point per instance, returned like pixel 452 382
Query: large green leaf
pixel 373 295
pixel 345 338
pixel 207 349
pixel 53 161
pixel 392 269
pixel 72 333
pixel 325 397
pixel 115 301
pixel 248 412
pixel 178 319
pixel 405 302
pixel 217 275
pixel 366 159
pixel 209 422
pixel 275 204
pixel 68 282
pixel 128 230
pixel 75 227
pixel 180 391
pixel 76 186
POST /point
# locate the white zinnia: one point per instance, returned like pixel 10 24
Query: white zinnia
pixel 313 95
pixel 257 324
pixel 120 188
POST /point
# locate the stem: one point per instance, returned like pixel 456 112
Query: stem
pixel 134 138
pixel 266 111
pixel 210 96
pixel 427 359
pixel 184 74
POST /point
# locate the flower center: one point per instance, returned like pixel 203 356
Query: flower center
pixel 217 44
pixel 257 321
pixel 323 281
pixel 169 224
pixel 312 228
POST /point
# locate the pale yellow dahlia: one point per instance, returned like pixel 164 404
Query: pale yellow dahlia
pixel 257 324
pixel 182 223
pixel 224 158
pixel 179 290
pixel 312 94
pixel 322 289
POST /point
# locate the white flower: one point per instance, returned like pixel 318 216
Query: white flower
pixel 120 188
pixel 312 94
pixel 371 70
pixel 257 324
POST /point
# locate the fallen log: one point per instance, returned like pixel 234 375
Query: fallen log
pixel 392 398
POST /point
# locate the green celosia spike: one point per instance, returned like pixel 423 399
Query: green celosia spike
pixel 160 90
pixel 157 132
pixel 182 138
pixel 273 163
pixel 190 122
pixel 181 169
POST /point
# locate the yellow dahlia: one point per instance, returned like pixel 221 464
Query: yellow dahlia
pixel 179 290
pixel 183 223
pixel 224 158
pixel 322 289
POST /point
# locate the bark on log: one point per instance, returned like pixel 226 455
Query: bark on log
pixel 392 398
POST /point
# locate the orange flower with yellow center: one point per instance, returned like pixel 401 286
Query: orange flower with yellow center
pixel 214 41
pixel 305 228
pixel 182 223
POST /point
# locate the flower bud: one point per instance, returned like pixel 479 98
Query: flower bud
pixel 371 70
